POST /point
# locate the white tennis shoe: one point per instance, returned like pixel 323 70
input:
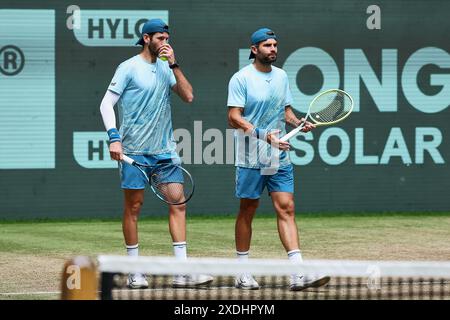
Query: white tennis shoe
pixel 190 281
pixel 246 282
pixel 299 282
pixel 137 281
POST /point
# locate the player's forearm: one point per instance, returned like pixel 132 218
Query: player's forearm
pixel 109 120
pixel 241 124
pixel 107 109
pixel 184 88
pixel 291 118
pixel 236 121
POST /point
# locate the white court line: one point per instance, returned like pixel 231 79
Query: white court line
pixel 28 293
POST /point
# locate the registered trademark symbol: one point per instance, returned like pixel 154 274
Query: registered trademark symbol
pixel 12 60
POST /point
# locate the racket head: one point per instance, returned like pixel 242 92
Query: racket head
pixel 331 106
pixel 171 183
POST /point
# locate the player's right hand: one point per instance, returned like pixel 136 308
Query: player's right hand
pixel 272 138
pixel 308 125
pixel 115 151
pixel 166 51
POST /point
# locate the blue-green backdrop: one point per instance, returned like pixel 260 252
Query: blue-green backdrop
pixel 57 58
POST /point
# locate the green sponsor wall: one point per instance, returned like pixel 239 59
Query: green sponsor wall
pixel 390 155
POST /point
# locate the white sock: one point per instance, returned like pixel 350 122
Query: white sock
pixel 180 250
pixel 133 250
pixel 295 256
pixel 242 255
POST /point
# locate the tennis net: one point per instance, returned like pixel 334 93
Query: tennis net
pixel 353 280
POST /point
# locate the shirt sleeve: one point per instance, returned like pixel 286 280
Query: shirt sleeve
pixel 107 109
pixel 120 80
pixel 236 93
pixel 172 79
pixel 288 100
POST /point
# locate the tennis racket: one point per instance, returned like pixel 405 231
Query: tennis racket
pixel 169 181
pixel 329 107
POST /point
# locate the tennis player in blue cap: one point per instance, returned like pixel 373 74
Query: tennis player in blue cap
pixel 141 87
pixel 259 106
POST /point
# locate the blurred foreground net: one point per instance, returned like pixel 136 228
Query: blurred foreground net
pixel 348 279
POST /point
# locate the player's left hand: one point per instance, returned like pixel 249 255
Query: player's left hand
pixel 308 126
pixel 166 51
pixel 272 139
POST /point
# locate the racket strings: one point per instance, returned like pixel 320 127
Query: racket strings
pixel 325 111
pixel 171 183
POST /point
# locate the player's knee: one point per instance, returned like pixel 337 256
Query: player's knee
pixel 286 209
pixel 134 208
pixel 249 208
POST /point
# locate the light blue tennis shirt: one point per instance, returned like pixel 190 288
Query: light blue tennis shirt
pixel 144 106
pixel 264 96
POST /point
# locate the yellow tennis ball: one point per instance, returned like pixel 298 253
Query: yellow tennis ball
pixel 163 58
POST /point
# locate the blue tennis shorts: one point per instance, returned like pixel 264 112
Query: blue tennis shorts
pixel 132 178
pixel 250 183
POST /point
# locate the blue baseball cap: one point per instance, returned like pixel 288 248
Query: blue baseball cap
pixel 260 35
pixel 152 26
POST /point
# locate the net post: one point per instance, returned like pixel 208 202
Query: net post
pixel 442 291
pixel 107 284
pixel 79 279
pixel 359 284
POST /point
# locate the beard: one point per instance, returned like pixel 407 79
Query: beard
pixel 153 51
pixel 267 59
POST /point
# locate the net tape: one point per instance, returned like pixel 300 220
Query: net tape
pixel 272 267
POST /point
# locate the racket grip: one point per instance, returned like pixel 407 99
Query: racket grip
pixel 127 159
pixel 291 133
